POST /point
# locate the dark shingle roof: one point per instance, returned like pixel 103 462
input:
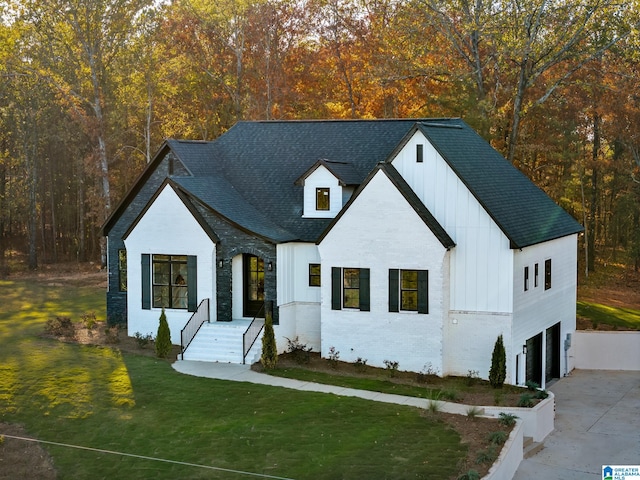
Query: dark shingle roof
pixel 263 160
pixel 525 214
pixel 249 174
pixel 343 171
pixel 221 197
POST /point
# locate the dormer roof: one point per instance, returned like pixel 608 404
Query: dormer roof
pixel 345 172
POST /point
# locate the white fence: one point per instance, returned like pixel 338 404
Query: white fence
pixel 607 350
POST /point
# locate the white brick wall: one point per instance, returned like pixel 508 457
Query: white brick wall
pixel 389 235
pixel 167 227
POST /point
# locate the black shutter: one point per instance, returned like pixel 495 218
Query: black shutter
pixel 336 288
pixel 146 281
pixel 364 290
pixel 394 290
pixel 423 291
pixel 192 283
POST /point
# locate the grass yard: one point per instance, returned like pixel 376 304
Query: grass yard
pixel 609 298
pixel 100 398
pixel 599 315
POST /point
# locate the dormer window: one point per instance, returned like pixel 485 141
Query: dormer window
pixel 328 185
pixel 323 201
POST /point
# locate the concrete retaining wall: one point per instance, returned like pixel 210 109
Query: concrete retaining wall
pixel 510 457
pixel 537 422
pixel 607 350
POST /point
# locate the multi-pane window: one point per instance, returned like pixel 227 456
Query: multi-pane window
pixel 170 281
pixel 350 288
pixel 526 278
pixel 409 290
pixel 547 274
pixel 314 274
pixel 255 277
pixel 322 199
pixel 535 275
pixel 122 270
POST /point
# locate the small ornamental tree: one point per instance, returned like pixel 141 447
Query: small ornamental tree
pixel 163 339
pixel 269 357
pixel 498 371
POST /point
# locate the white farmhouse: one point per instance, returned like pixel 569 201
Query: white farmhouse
pixel 411 241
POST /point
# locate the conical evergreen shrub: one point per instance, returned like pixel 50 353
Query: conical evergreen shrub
pixel 269 357
pixel 498 371
pixel 163 339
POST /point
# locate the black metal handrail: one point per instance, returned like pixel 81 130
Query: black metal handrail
pixel 190 330
pixel 252 333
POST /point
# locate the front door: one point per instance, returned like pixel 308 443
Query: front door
pixel 253 285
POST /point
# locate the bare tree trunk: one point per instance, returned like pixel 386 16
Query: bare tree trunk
pixel 593 210
pixel 3 209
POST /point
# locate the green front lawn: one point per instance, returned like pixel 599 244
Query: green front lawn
pixel 97 397
pixel 617 317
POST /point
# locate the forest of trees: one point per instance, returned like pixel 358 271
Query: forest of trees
pixel 89 90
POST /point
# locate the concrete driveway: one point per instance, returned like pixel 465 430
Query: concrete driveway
pixel 597 423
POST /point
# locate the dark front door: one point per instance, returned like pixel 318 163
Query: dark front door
pixel 253 285
pixel 534 359
pixel 552 369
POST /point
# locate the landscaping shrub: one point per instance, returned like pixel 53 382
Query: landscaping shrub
pixel 542 394
pixel 89 320
pixel 474 412
pixel 498 438
pixel 163 338
pixel 269 358
pixel 498 371
pixel 531 385
pixel 392 367
pixel 470 475
pixel 299 351
pixel 334 355
pixel 487 456
pixel 472 378
pixel 143 340
pixel 60 327
pixel 112 335
pixel 360 364
pixel 526 400
pixel 507 419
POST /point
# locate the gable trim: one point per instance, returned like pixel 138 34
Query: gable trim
pixel 184 199
pixel 408 194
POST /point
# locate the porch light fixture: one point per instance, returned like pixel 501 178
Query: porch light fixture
pixel 270 266
pixel 524 349
pixel 220 263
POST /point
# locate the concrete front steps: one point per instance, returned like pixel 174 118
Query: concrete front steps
pixel 530 448
pixel 221 342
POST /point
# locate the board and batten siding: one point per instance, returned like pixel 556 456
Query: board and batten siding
pixel 167 227
pixel 390 235
pixel 537 309
pixel 299 303
pixel 482 261
pixel 322 178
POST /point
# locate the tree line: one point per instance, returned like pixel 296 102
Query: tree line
pixel 91 88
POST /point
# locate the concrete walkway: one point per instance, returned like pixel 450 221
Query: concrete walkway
pixel 243 373
pixel 597 423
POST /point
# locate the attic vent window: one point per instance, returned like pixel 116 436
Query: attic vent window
pixel 322 199
pixel 419 153
pixel 170 166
